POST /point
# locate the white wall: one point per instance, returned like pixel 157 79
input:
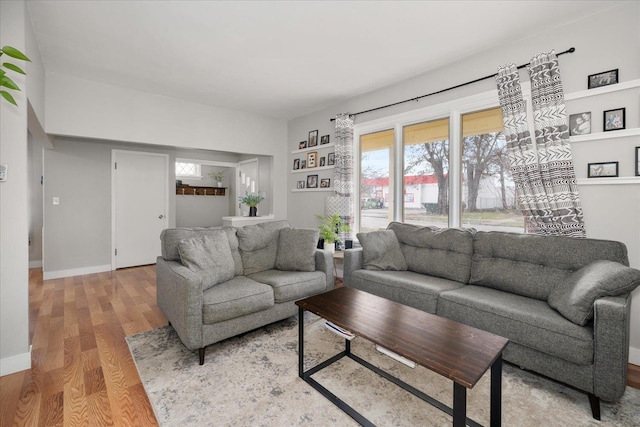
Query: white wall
pixel 14 261
pixel 204 211
pixel 611 211
pixel 35 202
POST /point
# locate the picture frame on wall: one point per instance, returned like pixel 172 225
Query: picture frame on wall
pixel 296 164
pixel 324 139
pixel 331 159
pixel 302 145
pixel 312 181
pixel 613 119
pixel 602 170
pixel 323 161
pixel 325 183
pixel 303 164
pixel 604 78
pixel 637 161
pixel 313 139
pixel 301 185
pixel 312 159
pixel 580 124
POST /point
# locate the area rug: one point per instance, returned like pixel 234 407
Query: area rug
pixel 252 380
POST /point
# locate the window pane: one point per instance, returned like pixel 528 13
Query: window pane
pixel 426 169
pixel 376 180
pixel 488 192
pixel 188 170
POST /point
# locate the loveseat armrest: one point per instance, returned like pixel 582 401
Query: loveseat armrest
pixel 352 262
pixel 611 325
pixel 324 263
pixel 179 295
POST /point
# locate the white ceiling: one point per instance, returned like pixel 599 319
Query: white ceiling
pixel 281 59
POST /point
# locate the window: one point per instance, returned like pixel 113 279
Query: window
pixel 426 173
pixel 488 192
pixel 376 180
pixel 188 170
pixel 453 170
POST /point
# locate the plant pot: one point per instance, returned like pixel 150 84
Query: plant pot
pixel 220 184
pixel 253 211
pixel 330 246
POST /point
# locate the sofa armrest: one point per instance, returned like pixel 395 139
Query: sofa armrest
pixel 352 262
pixel 611 327
pixel 179 295
pixel 324 263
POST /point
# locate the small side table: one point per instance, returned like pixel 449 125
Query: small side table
pixel 337 255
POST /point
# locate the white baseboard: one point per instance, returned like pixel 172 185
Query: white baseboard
pixel 17 363
pixel 634 356
pixel 47 275
pixel 35 264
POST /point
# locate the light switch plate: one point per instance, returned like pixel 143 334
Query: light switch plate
pixel 56 201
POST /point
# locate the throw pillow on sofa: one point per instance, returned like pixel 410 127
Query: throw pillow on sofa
pixel 381 251
pixel 574 298
pixel 209 256
pixel 297 249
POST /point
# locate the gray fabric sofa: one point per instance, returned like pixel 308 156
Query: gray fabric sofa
pixel 564 303
pixel 215 283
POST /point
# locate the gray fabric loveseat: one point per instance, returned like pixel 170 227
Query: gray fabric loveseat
pixel 215 283
pixel 564 303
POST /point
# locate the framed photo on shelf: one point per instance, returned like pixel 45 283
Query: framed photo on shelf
pixel 605 78
pixel 324 139
pixel 312 181
pixel 300 185
pixel 580 124
pixel 613 119
pixel 313 139
pixel 331 159
pixel 296 164
pixel 302 144
pixel 303 164
pixel 325 183
pixel 312 159
pixel 602 170
pixel 637 161
pixel 323 161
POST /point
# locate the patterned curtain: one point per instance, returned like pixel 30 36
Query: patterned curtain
pixel 343 171
pixel 545 180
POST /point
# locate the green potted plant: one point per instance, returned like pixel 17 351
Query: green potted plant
pixel 218 176
pixel 330 228
pixel 5 81
pixel 251 200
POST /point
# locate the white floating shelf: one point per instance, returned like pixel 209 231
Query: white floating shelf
pixel 311 170
pixel 605 135
pixel 316 148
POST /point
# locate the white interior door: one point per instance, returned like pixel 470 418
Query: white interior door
pixel 140 206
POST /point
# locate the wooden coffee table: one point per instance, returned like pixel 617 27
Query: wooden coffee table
pixel 451 349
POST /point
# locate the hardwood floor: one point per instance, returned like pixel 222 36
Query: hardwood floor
pixel 82 372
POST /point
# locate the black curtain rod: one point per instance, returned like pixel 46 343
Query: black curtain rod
pixel 417 98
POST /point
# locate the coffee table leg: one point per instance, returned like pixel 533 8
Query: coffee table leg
pixel 496 393
pixel 300 342
pixel 459 405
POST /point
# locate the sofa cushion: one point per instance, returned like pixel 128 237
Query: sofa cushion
pixel 292 285
pixel 406 287
pixel 297 249
pixel 208 256
pixel 235 298
pixel 531 265
pixel 171 237
pixel 574 297
pixel 526 321
pixel 381 251
pixel 440 252
pixel 258 245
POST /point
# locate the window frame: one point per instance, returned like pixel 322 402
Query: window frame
pixel 453 109
pixel 198 166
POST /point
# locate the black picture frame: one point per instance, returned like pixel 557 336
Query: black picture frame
pixel 580 124
pixel 331 159
pixel 613 120
pixel 602 170
pixel 313 139
pixel 325 182
pixel 637 161
pixel 604 78
pixel 312 181
pixel 303 164
pixel 324 139
pixel 323 161
pixel 296 164
pixel 302 145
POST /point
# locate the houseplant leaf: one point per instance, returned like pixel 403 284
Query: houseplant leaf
pixel 7 82
pixel 15 53
pixel 6 95
pixel 13 67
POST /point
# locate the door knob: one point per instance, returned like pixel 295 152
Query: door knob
pixel 160 216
